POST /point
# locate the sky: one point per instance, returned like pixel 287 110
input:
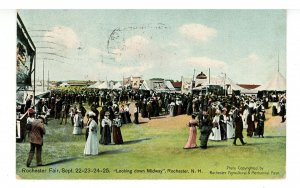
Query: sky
pixel 246 45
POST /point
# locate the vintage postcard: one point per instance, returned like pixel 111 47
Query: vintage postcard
pixel 151 94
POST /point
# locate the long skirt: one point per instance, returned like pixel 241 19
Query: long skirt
pixel 230 130
pixel 77 130
pixel 136 118
pixel 91 146
pixel 215 134
pixel 105 136
pixel 250 129
pixel 123 119
pixel 191 142
pixel 260 129
pixel 117 135
pixel 127 117
pixel 205 132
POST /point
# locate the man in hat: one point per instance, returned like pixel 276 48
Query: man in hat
pixel 28 103
pixel 223 124
pixel 30 119
pixel 205 129
pixel 239 128
pixel 65 111
pixel 37 132
pixel 282 112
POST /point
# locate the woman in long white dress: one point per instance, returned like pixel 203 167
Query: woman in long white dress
pixel 77 123
pixel 91 146
pixel 216 131
pixel 245 115
pixel 230 129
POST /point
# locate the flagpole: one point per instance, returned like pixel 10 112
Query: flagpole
pixel 278 63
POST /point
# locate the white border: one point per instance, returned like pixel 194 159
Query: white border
pixel 7 110
pixel 152 4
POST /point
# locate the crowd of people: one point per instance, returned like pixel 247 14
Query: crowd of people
pixel 217 117
pixel 225 118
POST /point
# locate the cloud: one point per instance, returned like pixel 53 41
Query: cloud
pixel 64 36
pixel 204 62
pixel 115 71
pixel 132 48
pixel 136 43
pixel 197 32
pixel 251 59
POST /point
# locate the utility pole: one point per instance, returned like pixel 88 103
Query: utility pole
pixel 225 88
pixel 43 76
pixel 48 81
pixel 193 82
pixel 209 76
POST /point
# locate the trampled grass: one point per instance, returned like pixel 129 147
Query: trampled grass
pixel 154 150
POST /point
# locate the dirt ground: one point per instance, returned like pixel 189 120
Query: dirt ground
pixel 165 121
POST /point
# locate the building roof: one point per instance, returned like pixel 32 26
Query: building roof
pixel 177 84
pixel 248 86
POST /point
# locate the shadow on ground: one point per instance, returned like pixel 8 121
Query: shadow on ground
pixel 57 162
pixel 113 151
pixel 136 141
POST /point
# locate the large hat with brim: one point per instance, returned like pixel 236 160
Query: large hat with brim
pixel 91 113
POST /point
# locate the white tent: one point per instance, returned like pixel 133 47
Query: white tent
pixel 65 84
pixel 99 85
pixel 95 85
pixel 276 83
pixel 117 86
pixel 144 85
pixel 169 85
pixel 104 85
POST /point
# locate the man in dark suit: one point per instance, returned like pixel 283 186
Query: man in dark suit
pixel 37 132
pixel 28 103
pixel 239 128
pixel 205 129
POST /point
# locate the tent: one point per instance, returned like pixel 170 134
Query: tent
pixel 64 84
pixel 276 83
pixel 99 85
pixel 95 85
pixel 117 86
pixel 169 85
pixel 144 85
pixel 104 85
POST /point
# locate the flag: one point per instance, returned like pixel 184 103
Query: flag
pixel 186 86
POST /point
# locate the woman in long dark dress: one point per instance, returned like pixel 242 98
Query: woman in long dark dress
pixel 250 123
pixel 116 131
pixel 106 133
pixel 122 114
pixel 127 114
pixel 136 114
pixel 260 124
